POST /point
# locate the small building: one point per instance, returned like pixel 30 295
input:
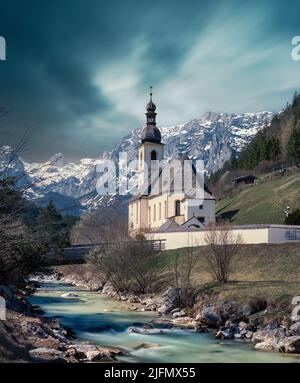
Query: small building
pixel 245 180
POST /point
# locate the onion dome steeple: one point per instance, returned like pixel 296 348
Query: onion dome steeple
pixel 151 107
pixel 150 132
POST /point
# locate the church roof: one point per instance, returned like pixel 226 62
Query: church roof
pixel 170 225
pixel 151 133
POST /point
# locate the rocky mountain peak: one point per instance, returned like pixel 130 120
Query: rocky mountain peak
pixel 57 160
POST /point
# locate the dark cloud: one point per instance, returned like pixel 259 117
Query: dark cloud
pixel 56 50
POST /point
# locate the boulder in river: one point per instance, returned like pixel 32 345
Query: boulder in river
pixel 201 328
pixel 70 295
pixel 270 344
pixel 137 330
pixel 259 336
pixel 290 344
pixel 178 314
pixel 147 345
pixel 209 317
pixel 92 353
pixel 185 323
pixel 276 340
pixel 224 334
pixel 163 323
pixel 144 325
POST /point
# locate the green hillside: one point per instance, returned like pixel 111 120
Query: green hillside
pixel 262 203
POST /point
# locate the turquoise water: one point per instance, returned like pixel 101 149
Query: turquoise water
pixel 104 321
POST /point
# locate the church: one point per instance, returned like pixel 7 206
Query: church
pixel 151 211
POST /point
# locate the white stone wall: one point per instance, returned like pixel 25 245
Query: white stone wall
pixel 177 240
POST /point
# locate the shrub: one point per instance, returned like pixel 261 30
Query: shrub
pixel 127 264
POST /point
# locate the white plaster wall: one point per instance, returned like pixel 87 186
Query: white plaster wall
pixel 177 240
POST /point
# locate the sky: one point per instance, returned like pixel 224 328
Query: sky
pixel 77 73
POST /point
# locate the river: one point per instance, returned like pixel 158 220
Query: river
pixel 104 321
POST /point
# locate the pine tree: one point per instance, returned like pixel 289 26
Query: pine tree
pixel 294 145
pixel 293 218
pixel 54 225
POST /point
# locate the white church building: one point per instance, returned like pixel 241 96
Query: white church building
pixel 153 208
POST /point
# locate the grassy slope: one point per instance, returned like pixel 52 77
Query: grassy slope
pixel 269 271
pixel 262 203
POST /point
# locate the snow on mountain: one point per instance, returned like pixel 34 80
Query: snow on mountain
pixel 11 165
pixel 212 138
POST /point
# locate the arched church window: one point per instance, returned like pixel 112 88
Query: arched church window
pixel 159 212
pixel 154 213
pixel 153 155
pixel 141 159
pixel 165 209
pixel 177 207
pixel 172 176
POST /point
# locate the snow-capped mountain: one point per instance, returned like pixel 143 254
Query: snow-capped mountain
pixel 212 138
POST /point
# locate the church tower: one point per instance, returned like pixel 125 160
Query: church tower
pixel 151 149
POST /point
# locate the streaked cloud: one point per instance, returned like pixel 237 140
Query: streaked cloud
pixel 79 73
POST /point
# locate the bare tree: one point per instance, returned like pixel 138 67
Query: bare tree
pixel 128 265
pixel 145 267
pixel 181 276
pixel 22 245
pixel 103 225
pixel 222 245
pixel 21 250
